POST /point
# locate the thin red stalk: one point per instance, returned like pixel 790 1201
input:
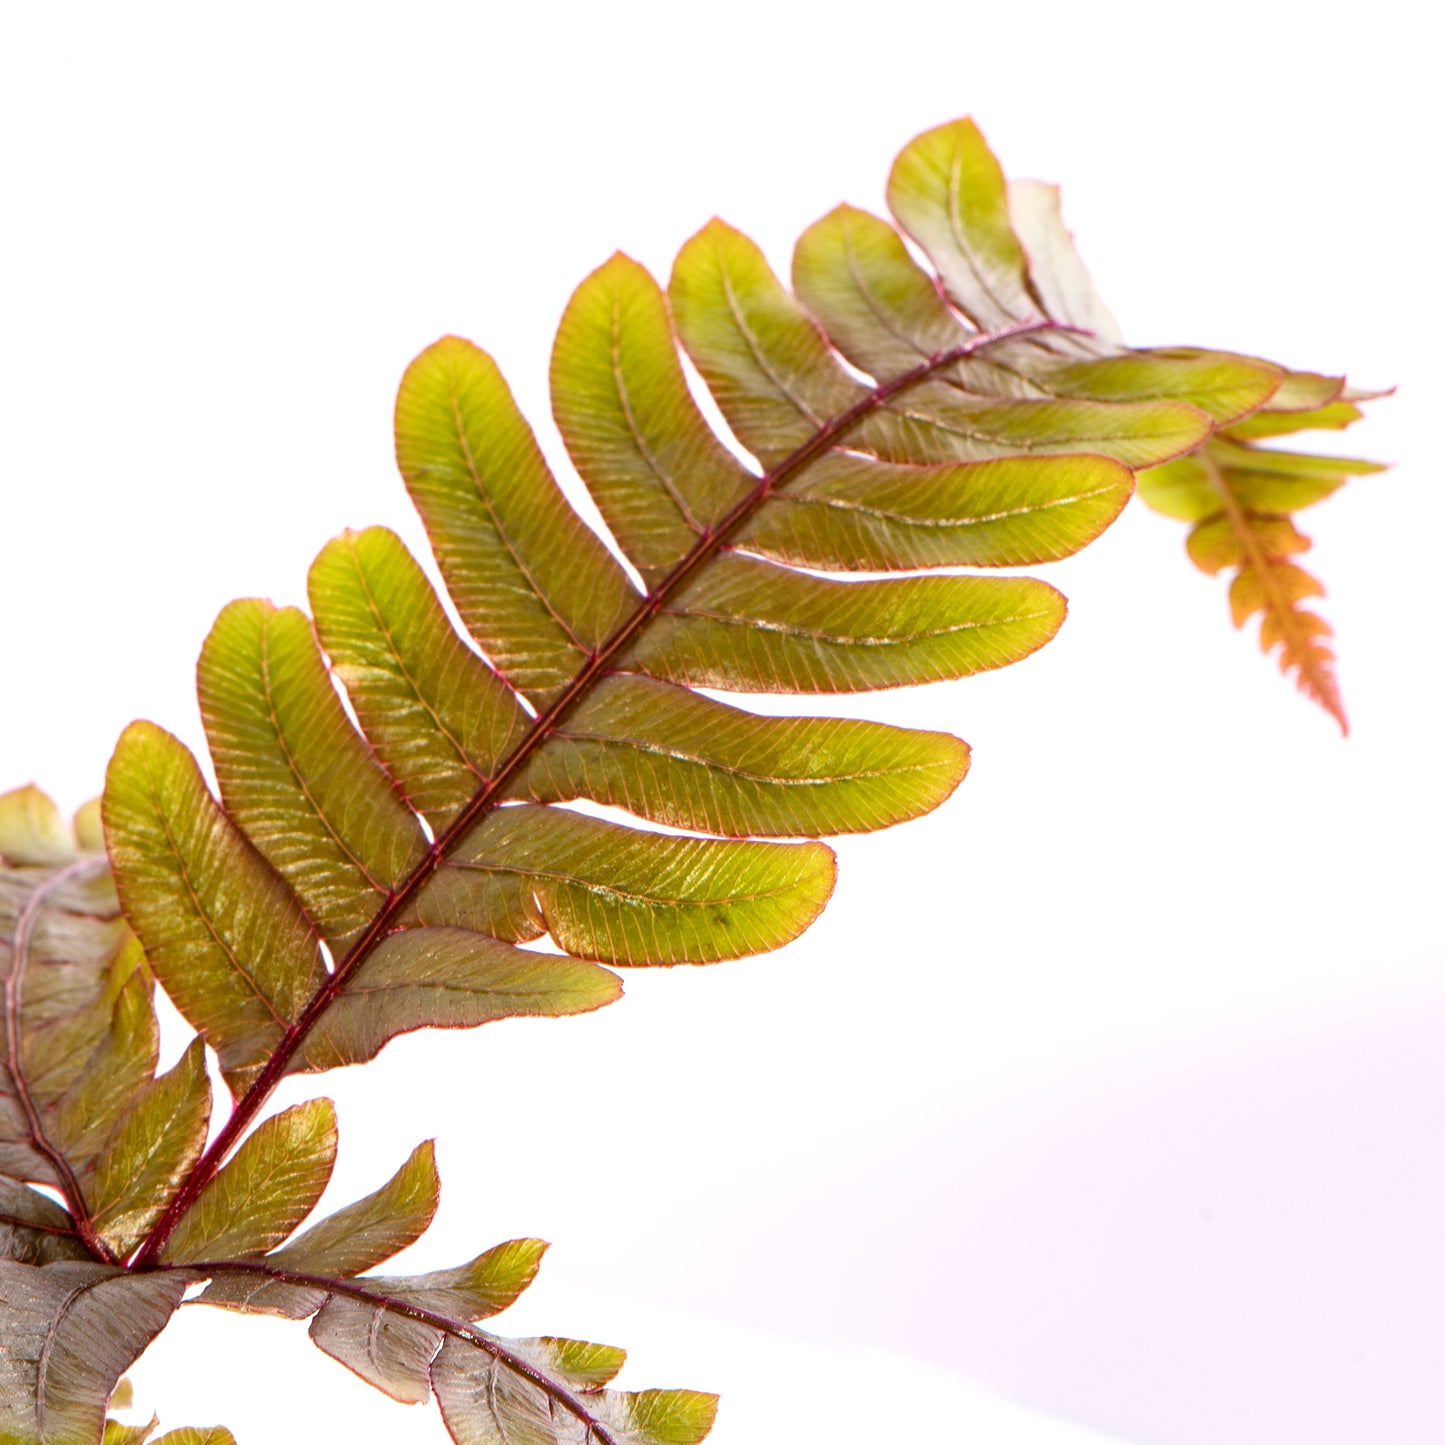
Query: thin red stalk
pixel 492 793
pixel 456 1328
pixel 20 958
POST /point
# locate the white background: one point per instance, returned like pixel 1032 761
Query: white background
pixel 1118 1082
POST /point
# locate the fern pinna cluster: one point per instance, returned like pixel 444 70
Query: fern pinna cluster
pixel 358 879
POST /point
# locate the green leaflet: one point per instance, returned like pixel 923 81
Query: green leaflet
pixel 940 424
pixel 222 931
pixel 264 1192
pixel 32 831
pixel 777 382
pixel 883 312
pixel 678 758
pixel 1333 416
pixel 534 586
pixel 152 1150
pixel 71 1331
pixel 439 718
pixel 765 362
pixel 748 626
pixel 449 978
pixel 948 193
pixel 657 1417
pixel 656 471
pixel 484 1402
pixel 1262 480
pixel 849 513
pixel 878 306
pixel 374 1228
pixel 622 896
pixel 1222 386
pixel 294 773
pixel 477 1290
pixel 118 1434
pixel 115 1072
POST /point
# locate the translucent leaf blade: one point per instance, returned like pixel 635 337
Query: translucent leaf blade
pixel 851 514
pixel 388 1350
pixel 32 830
pixel 449 977
pixel 534 586
pixel 120 1067
pixel 675 757
pixel 1056 274
pixel 936 423
pixel 438 717
pixel 627 897
pixel 1261 480
pixel 657 1417
pixel 878 306
pixel 766 363
pixel 948 193
pixel 371 1230
pixel 477 1290
pixel 656 471
pixel 67 959
pixel 71 1331
pixel 220 928
pixel 748 626
pixel 487 1401
pixel 264 1191
pixel 1223 386
pixel 295 773
pixel 1335 416
pixel 147 1158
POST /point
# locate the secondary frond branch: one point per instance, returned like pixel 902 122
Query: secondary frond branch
pixel 564 1397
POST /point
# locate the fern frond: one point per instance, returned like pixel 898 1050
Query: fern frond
pixel 1241 498
pixel 379 864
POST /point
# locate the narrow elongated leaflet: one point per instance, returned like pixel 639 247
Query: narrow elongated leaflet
pixel 295 774
pixel 220 927
pixel 752 627
pixel 659 475
pixel 949 194
pixel 612 893
pixel 440 719
pixel 679 758
pixel 534 586
pixel 854 514
pixel 259 1197
pixel 151 1152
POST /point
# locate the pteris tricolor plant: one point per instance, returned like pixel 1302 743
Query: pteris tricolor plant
pixel 359 879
